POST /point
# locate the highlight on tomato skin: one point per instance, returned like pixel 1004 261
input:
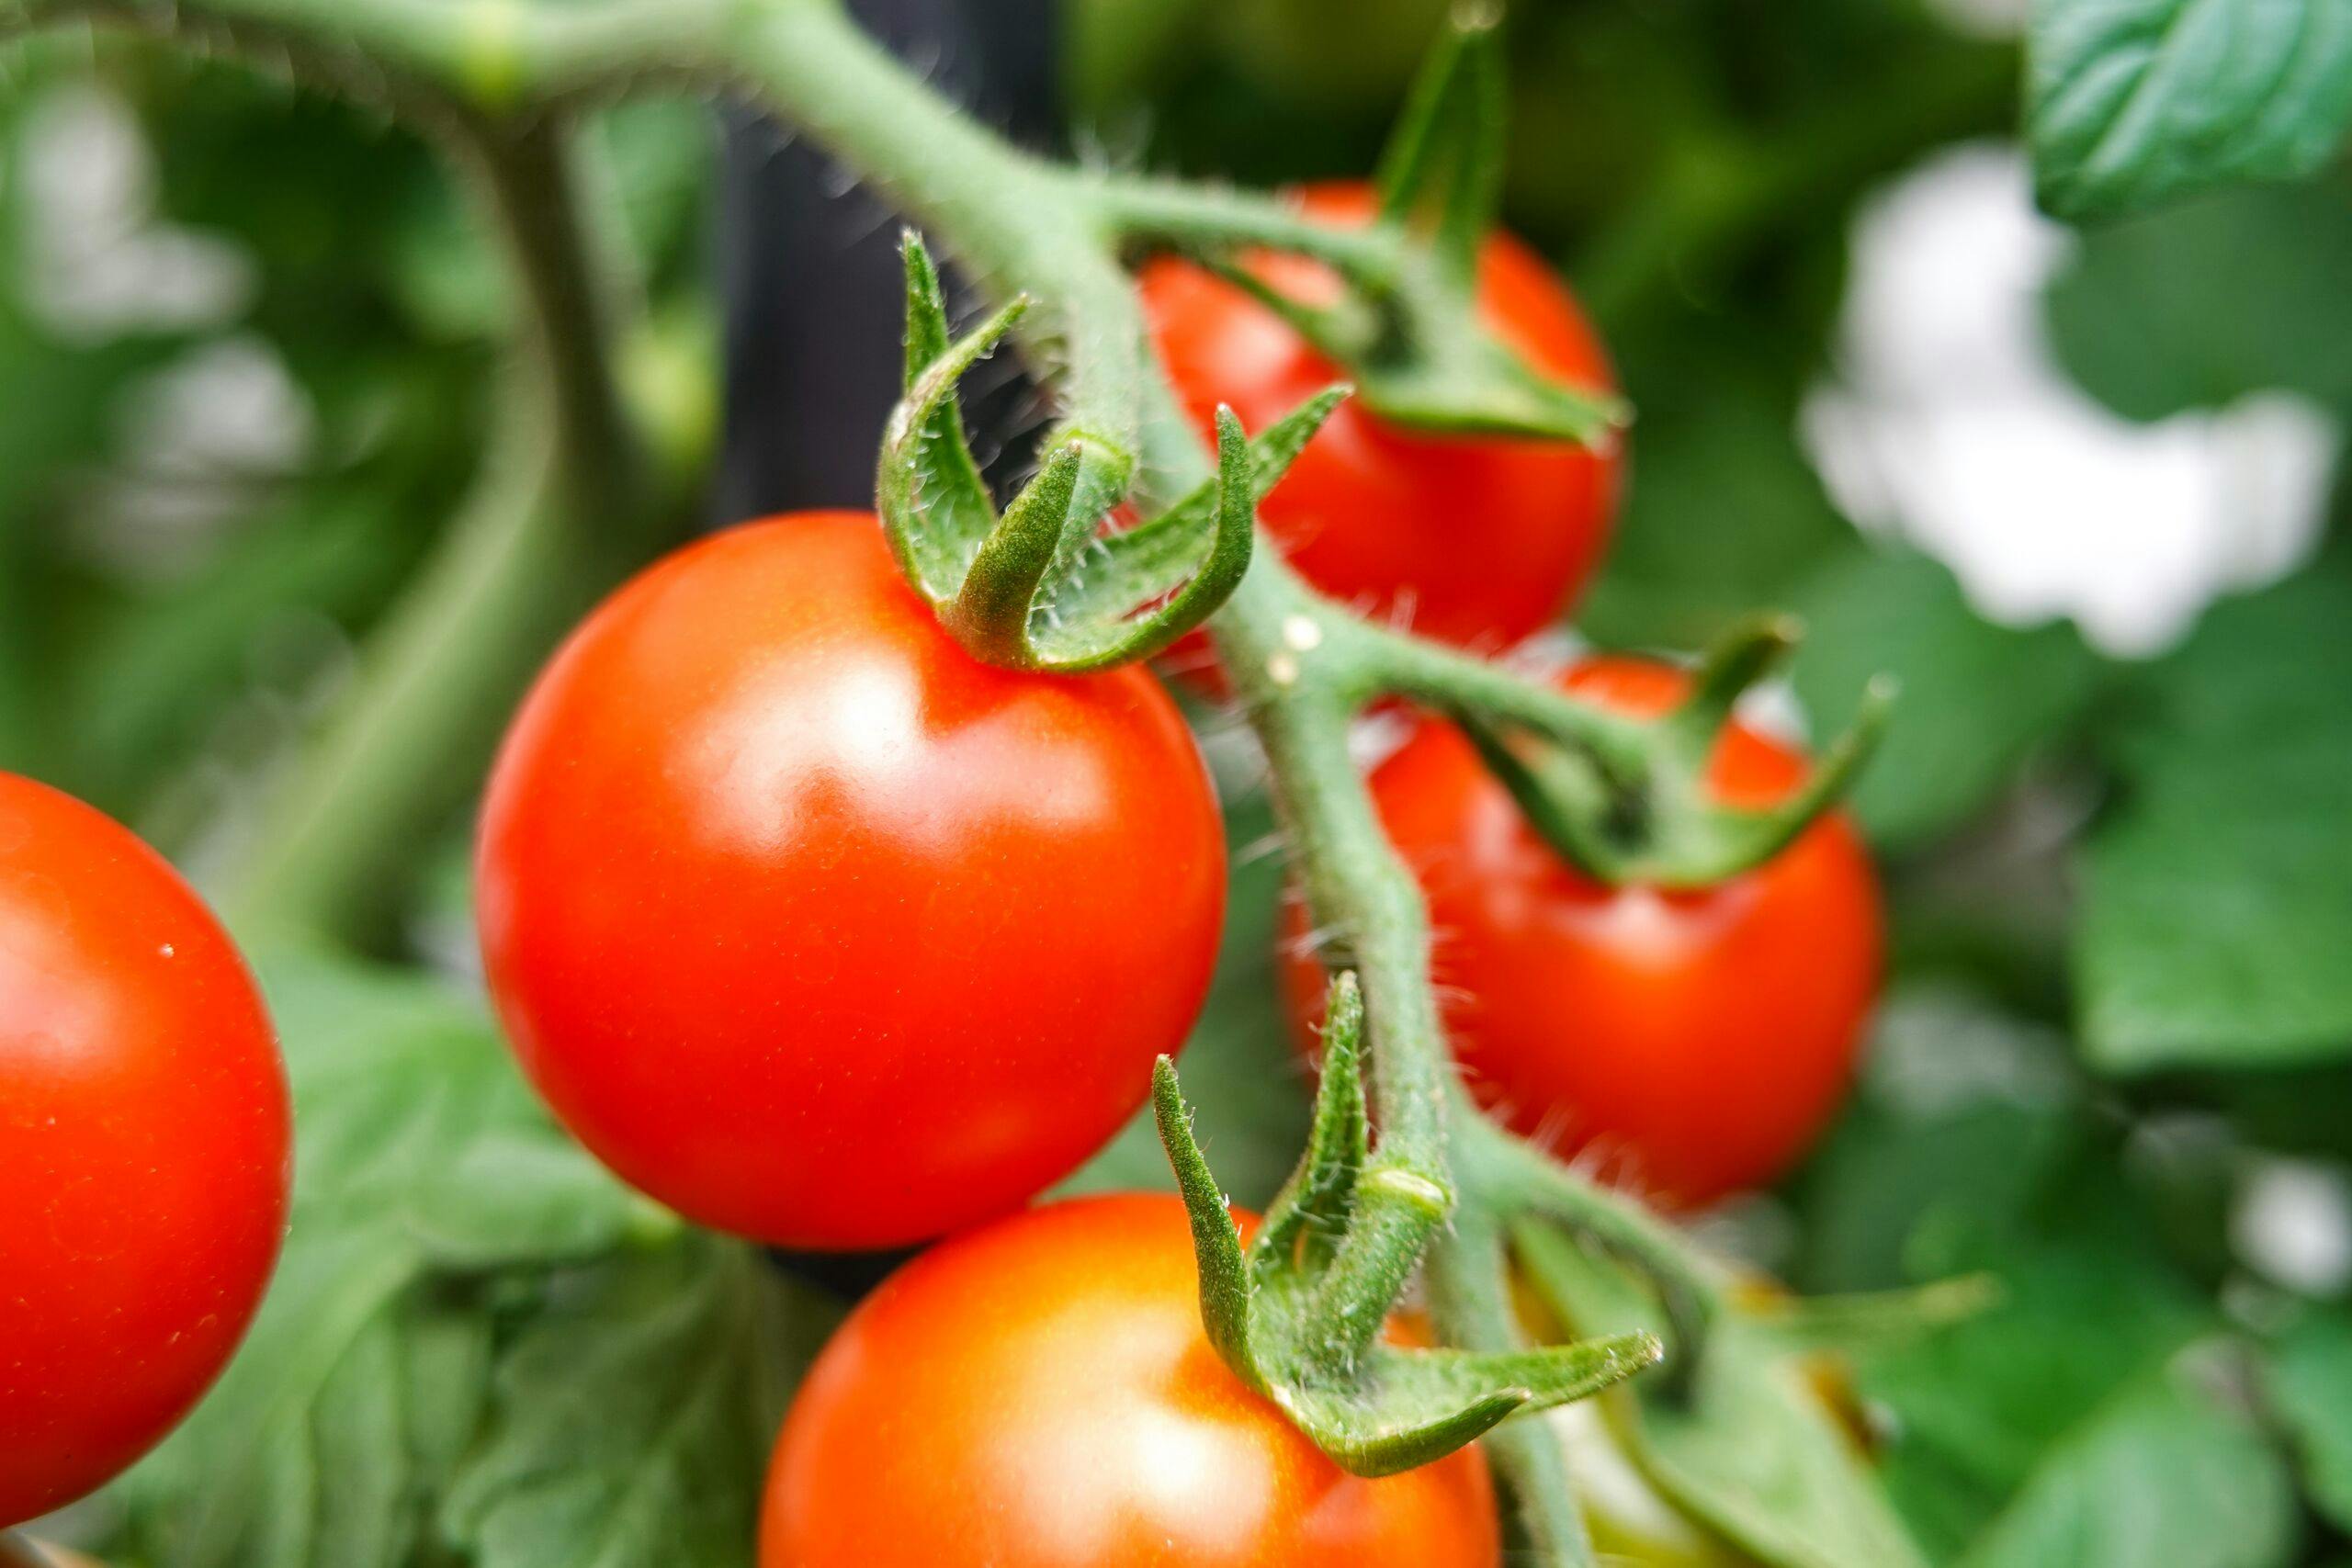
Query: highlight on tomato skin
pixel 1693 1043
pixel 145 1145
pixel 1481 541
pixel 1039 1394
pixel 819 930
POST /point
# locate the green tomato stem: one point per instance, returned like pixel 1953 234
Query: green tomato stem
pixel 558 514
pixel 1300 666
pixel 1469 1287
pixel 1173 214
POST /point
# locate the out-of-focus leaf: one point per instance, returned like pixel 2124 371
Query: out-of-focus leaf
pixel 424 1169
pixel 653 161
pixel 2309 1383
pixel 1752 1451
pixel 1723 516
pixel 2131 102
pixel 2164 1473
pixel 148 677
pixel 56 401
pixel 1973 1148
pixel 2203 303
pixel 2217 895
pixel 1116 48
pixel 1982 1409
pixel 633 1420
pixel 1977 701
pixel 1962 1119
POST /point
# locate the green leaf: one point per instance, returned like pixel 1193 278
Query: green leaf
pixel 2131 102
pixel 2308 1380
pixel 1963 1118
pixel 1725 518
pixel 2004 1417
pixel 1972 1148
pixel 1983 1410
pixel 633 1422
pixel 1977 700
pixel 2210 301
pixel 425 1172
pixel 1752 1449
pixel 2215 918
pixel 2164 1474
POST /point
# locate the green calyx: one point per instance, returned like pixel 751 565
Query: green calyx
pixel 1410 332
pixel 1648 813
pixel 1042 585
pixel 1286 1313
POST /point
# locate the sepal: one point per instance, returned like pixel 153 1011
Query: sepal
pixel 1043 586
pixel 1440 183
pixel 1374 1407
pixel 1441 174
pixel 1665 829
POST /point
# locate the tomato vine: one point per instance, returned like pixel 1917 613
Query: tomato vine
pixel 1442 1188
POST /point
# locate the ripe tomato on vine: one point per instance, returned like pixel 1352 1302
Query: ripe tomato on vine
pixel 1477 540
pixel 820 931
pixel 1697 1040
pixel 144 1148
pixel 1040 1395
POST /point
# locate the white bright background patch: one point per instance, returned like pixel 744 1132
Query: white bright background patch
pixel 1949 423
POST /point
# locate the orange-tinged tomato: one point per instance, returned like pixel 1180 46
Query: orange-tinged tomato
pixel 1039 1394
pixel 1697 1041
pixel 1476 540
pixel 144 1149
pixel 820 931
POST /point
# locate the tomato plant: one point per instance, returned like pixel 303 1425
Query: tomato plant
pixel 1040 1395
pixel 143 1148
pixel 844 877
pixel 818 929
pixel 1400 523
pixel 1695 1041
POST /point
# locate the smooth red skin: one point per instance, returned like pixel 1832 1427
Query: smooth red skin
pixel 1478 541
pixel 1040 1395
pixel 1694 1042
pixel 144 1139
pixel 817 929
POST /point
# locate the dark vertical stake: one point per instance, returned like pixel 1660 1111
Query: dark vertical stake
pixel 810 274
pixel 815 300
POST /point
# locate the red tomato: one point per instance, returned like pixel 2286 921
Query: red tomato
pixel 1478 541
pixel 1040 1395
pixel 1701 1038
pixel 820 931
pixel 143 1149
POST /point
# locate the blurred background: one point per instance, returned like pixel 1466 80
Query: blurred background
pixel 2079 488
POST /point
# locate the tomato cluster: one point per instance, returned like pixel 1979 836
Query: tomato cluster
pixel 825 933
pixel 822 931
pixel 145 1144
